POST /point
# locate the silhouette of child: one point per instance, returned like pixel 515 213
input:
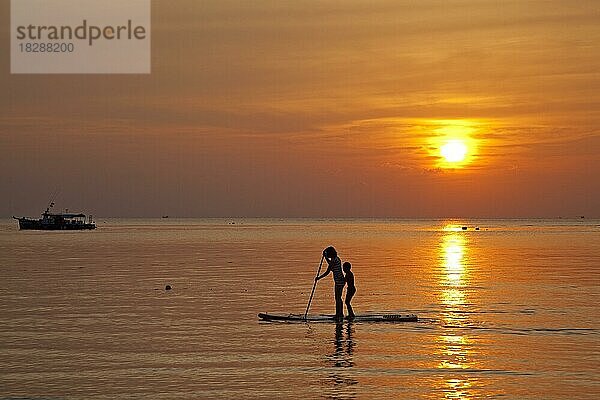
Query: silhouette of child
pixel 351 289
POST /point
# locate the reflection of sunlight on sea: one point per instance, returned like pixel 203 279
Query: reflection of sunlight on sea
pixel 453 276
pixel 454 345
pixel 457 389
pixel 453 247
pixel 454 349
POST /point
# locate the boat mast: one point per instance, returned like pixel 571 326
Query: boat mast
pixel 49 207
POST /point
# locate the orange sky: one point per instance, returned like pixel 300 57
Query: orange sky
pixel 309 108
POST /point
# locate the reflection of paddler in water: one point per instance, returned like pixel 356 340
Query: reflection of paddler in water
pixel 341 377
pixel 343 356
pixel 334 264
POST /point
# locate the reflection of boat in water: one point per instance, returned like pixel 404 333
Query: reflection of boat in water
pixel 55 222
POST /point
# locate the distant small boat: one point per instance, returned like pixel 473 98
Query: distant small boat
pixel 165 216
pixel 57 222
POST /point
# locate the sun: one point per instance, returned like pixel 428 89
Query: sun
pixel 454 151
pixel 453 144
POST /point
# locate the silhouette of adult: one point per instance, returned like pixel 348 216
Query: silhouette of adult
pixel 334 265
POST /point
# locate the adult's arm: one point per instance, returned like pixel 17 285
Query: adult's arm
pixel 324 274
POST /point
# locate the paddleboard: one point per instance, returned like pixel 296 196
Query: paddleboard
pixel 371 317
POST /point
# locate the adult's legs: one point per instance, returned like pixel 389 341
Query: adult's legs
pixel 339 305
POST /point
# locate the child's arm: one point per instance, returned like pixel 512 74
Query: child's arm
pixel 350 279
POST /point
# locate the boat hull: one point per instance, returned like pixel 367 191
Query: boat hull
pixel 40 225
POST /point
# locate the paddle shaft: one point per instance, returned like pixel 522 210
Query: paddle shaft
pixel 314 287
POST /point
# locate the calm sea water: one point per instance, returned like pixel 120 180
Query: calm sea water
pixel 510 310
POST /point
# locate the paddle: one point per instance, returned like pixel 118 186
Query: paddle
pixel 314 286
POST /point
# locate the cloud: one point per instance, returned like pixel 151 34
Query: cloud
pixel 254 106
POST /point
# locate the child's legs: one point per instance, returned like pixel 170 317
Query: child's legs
pixel 350 310
pixel 349 296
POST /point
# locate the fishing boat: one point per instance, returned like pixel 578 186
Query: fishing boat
pixel 57 221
